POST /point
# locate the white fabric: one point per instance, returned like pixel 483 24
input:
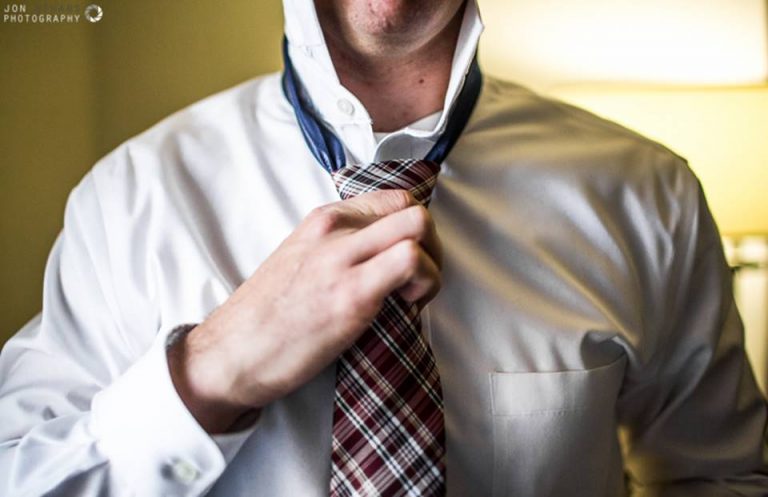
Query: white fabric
pixel 427 123
pixel 584 288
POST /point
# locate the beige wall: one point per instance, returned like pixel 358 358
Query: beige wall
pixel 152 58
pixel 46 143
pixel 70 93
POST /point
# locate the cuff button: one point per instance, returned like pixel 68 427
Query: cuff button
pixel 184 471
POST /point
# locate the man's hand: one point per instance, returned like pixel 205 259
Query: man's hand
pixel 307 303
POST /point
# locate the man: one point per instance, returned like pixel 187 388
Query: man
pixel 583 290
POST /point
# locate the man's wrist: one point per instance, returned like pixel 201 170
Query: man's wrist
pixel 213 414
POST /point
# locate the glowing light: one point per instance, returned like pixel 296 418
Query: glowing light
pixel 721 131
pixel 661 41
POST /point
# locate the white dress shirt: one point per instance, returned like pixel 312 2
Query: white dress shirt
pixel 584 295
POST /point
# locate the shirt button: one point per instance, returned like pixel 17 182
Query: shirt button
pixel 346 106
pixel 184 471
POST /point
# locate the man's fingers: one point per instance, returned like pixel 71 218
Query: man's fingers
pixel 412 223
pixel 424 284
pixel 381 202
pixel 405 267
pixel 355 213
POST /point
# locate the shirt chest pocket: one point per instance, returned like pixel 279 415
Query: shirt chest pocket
pixel 555 432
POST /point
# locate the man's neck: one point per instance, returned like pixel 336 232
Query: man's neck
pixel 399 89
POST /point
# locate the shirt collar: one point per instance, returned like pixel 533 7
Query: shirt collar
pixel 337 106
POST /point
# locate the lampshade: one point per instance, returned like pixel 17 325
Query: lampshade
pixel 723 132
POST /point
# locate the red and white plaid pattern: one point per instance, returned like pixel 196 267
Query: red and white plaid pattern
pixel 388 427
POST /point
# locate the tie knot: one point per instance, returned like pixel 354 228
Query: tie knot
pixel 417 176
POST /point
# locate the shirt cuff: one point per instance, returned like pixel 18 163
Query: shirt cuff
pixel 152 441
pixel 230 443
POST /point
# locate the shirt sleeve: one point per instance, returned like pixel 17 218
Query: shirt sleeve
pixel 694 421
pixel 85 410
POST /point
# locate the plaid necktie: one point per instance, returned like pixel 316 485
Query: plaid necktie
pixel 388 428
